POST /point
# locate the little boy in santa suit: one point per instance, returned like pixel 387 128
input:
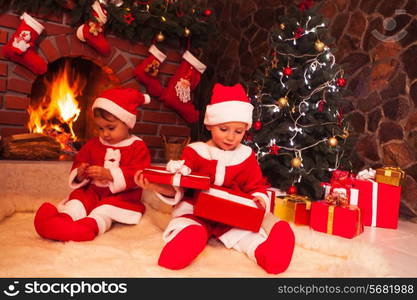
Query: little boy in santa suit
pixel 232 165
pixel 101 174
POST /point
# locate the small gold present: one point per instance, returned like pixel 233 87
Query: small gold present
pixel 293 208
pixel 389 175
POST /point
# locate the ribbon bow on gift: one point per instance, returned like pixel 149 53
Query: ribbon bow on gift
pixel 366 174
pixel 340 185
pixel 177 166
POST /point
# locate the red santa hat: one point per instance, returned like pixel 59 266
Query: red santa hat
pixel 122 103
pixel 228 104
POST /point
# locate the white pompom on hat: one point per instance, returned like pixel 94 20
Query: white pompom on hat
pixel 228 104
pixel 122 103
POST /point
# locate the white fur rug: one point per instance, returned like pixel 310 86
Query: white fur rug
pixel 132 251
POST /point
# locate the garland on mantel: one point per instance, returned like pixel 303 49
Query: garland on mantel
pixel 179 23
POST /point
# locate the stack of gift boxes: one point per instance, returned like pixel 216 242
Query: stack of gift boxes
pixel 371 198
pixel 212 202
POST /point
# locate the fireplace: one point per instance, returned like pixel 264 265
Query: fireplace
pixel 20 89
pixel 61 99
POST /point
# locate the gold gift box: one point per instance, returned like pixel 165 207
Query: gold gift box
pixel 293 208
pixel 389 175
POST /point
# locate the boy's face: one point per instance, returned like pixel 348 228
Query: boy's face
pixel 112 131
pixel 227 136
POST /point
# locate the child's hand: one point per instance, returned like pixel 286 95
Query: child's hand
pixel 99 173
pixel 260 201
pixel 81 171
pixel 144 183
pixel 141 181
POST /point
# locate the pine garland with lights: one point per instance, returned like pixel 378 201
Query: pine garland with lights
pixel 300 134
pixel 178 23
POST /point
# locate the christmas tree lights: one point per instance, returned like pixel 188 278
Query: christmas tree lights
pixel 300 134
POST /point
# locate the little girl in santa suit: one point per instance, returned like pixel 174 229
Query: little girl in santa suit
pixel 232 165
pixel 101 174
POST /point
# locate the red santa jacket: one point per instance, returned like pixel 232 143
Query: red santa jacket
pixel 237 169
pixel 122 159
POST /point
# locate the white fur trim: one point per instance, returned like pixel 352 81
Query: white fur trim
pixel 157 53
pixel 119 183
pixel 127 142
pixel 198 65
pixel 234 235
pixel 249 243
pixel 229 111
pixel 102 16
pixel 80 33
pixel 231 158
pixel 103 222
pixel 73 207
pixel 183 208
pixel 266 199
pixel 35 25
pixel 179 193
pixel 147 99
pixel 118 214
pixel 220 171
pixel 116 110
pixel 175 226
pixel 72 184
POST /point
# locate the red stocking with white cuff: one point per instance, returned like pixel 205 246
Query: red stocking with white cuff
pixel 53 225
pixel 92 31
pixel 177 94
pixel 20 47
pixel 147 71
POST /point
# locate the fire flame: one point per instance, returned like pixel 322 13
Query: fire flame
pixel 56 112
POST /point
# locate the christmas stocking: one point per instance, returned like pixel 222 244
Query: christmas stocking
pixel 92 31
pixel 177 94
pixel 20 47
pixel 147 71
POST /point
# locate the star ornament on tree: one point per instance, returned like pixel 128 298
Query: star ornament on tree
pixel 274 149
pixel 129 18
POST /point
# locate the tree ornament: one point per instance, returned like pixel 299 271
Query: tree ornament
pixel 273 149
pixel 296 162
pixel 207 12
pixel 298 32
pixel 282 26
pixel 320 105
pixel 257 125
pixel 332 141
pixel 116 3
pixel 319 46
pixel 282 102
pixel 129 18
pixel 341 82
pixel 292 190
pixel 187 32
pixel 160 37
pixel 345 134
pixel 287 71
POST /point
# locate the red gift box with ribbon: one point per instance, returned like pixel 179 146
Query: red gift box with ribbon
pixel 379 202
pixel 185 179
pixel 341 186
pixel 344 221
pixel 229 207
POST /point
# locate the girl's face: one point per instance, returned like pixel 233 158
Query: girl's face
pixel 227 136
pixel 112 131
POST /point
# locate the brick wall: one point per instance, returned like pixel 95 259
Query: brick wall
pixel 58 40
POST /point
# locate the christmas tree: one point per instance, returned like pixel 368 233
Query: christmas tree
pixel 300 134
